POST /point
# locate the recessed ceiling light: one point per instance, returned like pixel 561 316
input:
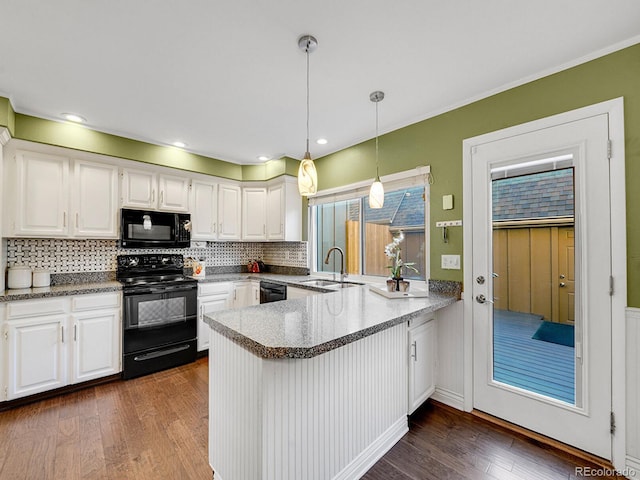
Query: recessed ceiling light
pixel 72 117
pixel 179 144
pixel 321 141
pixel 264 158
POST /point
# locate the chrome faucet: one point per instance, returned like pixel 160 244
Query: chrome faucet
pixel 326 261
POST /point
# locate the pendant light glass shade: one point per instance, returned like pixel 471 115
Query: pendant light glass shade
pixel 307 177
pixel 307 174
pixel 376 193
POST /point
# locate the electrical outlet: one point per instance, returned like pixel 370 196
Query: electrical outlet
pixel 450 262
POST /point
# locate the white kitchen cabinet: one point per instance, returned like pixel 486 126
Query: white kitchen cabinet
pixel 37 349
pixel 173 193
pixel 241 294
pixel 254 213
pixel 284 210
pixel 255 293
pixel 146 190
pixel 212 297
pixel 422 357
pixel 61 197
pixel 229 211
pixel 96 336
pixel 204 210
pixel 41 195
pixel 139 189
pixel 94 205
pixel 55 342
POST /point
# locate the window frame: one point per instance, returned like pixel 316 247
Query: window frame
pixel 419 176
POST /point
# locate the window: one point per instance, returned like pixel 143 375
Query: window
pixel 345 220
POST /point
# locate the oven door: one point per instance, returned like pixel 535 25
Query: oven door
pixel 159 316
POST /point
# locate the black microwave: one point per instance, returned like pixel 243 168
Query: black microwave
pixel 145 229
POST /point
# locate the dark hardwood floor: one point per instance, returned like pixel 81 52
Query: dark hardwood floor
pixel 155 427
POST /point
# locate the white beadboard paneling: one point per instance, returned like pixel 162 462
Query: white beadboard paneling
pixel 450 356
pixel 633 385
pixel 328 417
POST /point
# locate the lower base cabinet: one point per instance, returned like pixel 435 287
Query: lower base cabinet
pixel 422 361
pixel 51 343
pixel 212 297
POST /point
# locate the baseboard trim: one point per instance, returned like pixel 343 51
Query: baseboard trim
pixel 632 465
pixel 447 397
pixel 562 448
pixel 374 452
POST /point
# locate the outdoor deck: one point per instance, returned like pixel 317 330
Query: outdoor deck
pixel 538 366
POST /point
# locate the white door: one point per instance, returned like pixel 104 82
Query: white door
pixel 213 303
pixel 96 352
pixel 95 207
pixel 582 418
pixel 254 213
pixel 229 212
pixel 139 189
pixel 43 182
pixel 204 213
pixel 422 360
pixel 275 212
pixel 36 355
pixel 174 193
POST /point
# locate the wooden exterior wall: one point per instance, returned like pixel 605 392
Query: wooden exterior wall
pixel 526 265
pixel 375 262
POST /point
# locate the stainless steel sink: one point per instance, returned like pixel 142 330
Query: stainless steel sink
pixel 317 282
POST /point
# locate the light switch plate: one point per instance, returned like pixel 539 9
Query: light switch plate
pixel 447 202
pixel 450 262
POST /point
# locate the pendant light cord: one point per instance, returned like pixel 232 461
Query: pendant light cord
pixel 377 173
pixel 307 49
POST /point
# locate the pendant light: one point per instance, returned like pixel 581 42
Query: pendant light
pixel 376 194
pixel 307 175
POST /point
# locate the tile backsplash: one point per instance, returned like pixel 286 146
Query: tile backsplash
pixel 67 256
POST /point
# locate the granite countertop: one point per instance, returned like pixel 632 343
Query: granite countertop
pixel 309 326
pixel 291 280
pixel 60 290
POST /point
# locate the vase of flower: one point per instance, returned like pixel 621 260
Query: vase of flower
pixel 393 251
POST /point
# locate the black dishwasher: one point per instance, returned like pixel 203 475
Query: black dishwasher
pixel 272 292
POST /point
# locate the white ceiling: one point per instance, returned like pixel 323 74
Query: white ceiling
pixel 227 77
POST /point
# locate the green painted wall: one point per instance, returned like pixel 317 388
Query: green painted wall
pixel 7 115
pixel 438 142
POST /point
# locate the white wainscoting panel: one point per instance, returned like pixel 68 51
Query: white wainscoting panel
pixel 633 387
pixel 328 417
pixel 450 356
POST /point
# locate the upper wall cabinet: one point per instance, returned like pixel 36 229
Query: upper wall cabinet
pixel 284 210
pixel 94 200
pixel 204 210
pixel 146 190
pixel 51 202
pixel 254 213
pixel 229 211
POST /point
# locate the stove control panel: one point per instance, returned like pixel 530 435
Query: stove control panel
pixel 150 261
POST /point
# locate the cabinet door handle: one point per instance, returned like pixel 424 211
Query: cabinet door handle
pixel 161 197
pixel 221 227
pixel 264 229
pixel 153 195
pixel 62 333
pixel 414 355
pixel 75 332
pixel 235 294
pixel 77 221
pixel 201 312
pixel 64 219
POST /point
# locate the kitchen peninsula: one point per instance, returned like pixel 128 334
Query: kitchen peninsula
pixel 310 388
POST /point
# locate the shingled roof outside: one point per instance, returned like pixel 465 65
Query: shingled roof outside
pixel 538 195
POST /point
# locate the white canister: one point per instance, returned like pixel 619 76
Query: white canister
pixel 19 277
pixel 41 277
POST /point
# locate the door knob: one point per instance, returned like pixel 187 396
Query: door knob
pixel 562 284
pixel 482 299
